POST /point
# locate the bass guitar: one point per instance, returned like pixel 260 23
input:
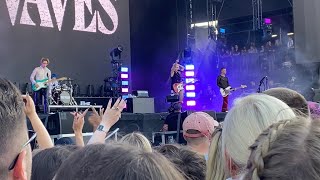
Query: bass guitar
pixel 226 92
pixel 44 83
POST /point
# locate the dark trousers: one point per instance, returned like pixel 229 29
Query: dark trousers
pixel 225 104
pixel 37 98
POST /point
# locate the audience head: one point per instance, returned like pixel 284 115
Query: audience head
pixel 138 140
pixel 13 134
pixel 243 124
pixel 289 149
pixel 47 162
pixel 190 164
pixel 117 161
pixel 197 130
pixel 292 98
pixel 215 166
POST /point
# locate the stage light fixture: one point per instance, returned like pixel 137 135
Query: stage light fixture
pixel 125 90
pixel 125 83
pixel 190 73
pixel 191 103
pixel 124 76
pixel 267 21
pixel 191 94
pixel 190 67
pixel 190 87
pixel 190 80
pixel 124 69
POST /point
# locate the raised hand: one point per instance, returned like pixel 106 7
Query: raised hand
pixel 78 120
pixel 113 114
pixel 29 107
pixel 95 118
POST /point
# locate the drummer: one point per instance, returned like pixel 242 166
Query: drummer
pixel 54 84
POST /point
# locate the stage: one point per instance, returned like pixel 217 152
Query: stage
pixel 59 124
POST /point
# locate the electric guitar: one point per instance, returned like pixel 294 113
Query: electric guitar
pixel 226 92
pixel 177 87
pixel 44 83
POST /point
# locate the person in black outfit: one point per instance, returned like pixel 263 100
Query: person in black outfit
pixel 175 75
pixel 223 83
pixel 171 121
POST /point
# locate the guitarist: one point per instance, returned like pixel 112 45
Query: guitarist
pixel 38 74
pixel 223 83
pixel 175 75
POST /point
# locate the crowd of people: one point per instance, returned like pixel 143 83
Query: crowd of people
pixel 271 135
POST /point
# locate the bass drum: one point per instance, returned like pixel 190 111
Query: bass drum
pixel 65 97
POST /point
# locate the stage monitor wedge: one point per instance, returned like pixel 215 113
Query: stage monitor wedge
pixel 306 29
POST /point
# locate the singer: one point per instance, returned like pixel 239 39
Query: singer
pixel 39 75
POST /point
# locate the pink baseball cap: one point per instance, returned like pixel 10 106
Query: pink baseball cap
pixel 201 122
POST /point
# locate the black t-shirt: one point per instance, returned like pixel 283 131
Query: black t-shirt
pixel 172 120
pixel 176 78
pixel 223 82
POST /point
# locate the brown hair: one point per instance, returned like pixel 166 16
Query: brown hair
pixel 46 163
pixel 289 149
pixel 45 59
pixel 292 98
pixel 117 161
pixel 189 163
pixel 215 166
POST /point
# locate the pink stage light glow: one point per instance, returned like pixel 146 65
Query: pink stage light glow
pixel 190 87
pixel 189 73
pixel 125 90
pixel 124 76
pixel 191 103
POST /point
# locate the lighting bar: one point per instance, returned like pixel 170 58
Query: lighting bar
pixel 290 34
pixel 190 80
pixel 190 87
pixel 124 76
pixel 191 103
pixel 124 69
pixel 125 83
pixel 205 24
pixel 125 90
pixel 191 94
pixel 189 73
pixel 190 67
pixel 267 21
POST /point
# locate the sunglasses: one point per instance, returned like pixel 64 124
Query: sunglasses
pixel 32 137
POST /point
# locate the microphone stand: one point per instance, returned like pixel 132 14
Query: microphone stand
pixel 261 82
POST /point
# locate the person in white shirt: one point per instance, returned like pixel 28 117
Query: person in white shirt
pixel 41 74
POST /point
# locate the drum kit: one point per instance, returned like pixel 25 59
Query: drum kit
pixel 61 94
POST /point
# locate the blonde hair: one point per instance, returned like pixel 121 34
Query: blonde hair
pixel 215 168
pixel 289 149
pixel 138 140
pixel 243 124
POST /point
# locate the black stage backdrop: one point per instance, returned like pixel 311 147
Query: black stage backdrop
pixel 76 35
